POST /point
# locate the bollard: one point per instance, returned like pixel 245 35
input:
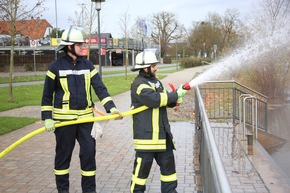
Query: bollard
pixel 250 139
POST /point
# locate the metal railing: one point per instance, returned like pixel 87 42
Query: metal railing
pixel 221 99
pixel 225 101
pixel 213 174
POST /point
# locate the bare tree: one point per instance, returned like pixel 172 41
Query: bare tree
pixel 85 20
pixel 165 28
pixel 124 26
pixel 269 72
pixel 13 11
pixel 271 15
pixel 230 27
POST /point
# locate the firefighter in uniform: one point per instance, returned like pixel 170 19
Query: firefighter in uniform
pixel 151 130
pixel 67 96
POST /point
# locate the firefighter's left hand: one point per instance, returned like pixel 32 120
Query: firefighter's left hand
pixel 181 91
pixel 115 111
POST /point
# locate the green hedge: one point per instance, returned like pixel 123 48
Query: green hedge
pixel 193 62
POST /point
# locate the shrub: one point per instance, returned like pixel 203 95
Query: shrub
pixel 193 62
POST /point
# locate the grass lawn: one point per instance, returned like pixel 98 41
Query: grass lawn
pixel 9 124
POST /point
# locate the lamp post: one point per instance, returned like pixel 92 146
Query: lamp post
pixel 98 8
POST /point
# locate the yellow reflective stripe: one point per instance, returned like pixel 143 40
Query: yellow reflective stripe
pixel 72 112
pixel 50 75
pixel 71 117
pixel 155 124
pixel 163 99
pixel 141 87
pixel 46 108
pixel 151 147
pixel 93 72
pixel 139 181
pixel 150 142
pixel 64 85
pixel 61 172
pixel 87 87
pixel 135 179
pixel 168 178
pixel 64 114
pixel 105 100
pixel 145 144
pixel 88 173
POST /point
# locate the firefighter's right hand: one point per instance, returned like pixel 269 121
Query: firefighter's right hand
pixel 49 124
pixel 115 111
pixel 179 100
pixel 181 92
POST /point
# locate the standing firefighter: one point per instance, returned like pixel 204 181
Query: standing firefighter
pixel 67 96
pixel 151 130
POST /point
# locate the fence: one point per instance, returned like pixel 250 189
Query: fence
pixel 214 177
pixel 221 99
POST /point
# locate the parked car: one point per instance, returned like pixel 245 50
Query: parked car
pixel 21 41
pixel 44 41
pixel 5 40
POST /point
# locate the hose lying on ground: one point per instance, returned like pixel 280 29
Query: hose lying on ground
pixel 65 123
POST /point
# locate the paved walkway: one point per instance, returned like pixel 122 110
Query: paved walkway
pixel 29 167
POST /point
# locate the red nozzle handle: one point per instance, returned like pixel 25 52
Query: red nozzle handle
pixel 186 86
pixel 172 87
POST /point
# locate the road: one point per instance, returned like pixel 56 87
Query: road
pixel 161 67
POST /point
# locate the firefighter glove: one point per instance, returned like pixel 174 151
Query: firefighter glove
pixel 115 111
pixel 179 100
pixel 181 92
pixel 49 124
pixel 97 131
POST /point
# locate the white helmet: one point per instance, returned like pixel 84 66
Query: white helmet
pixel 69 37
pixel 144 59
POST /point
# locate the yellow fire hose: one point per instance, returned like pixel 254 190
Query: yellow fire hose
pixel 65 123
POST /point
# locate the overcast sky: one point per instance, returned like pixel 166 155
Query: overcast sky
pixel 186 11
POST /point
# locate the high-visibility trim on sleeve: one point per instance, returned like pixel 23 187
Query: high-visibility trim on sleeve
pixel 93 72
pixel 163 99
pixel 50 75
pixel 105 100
pixel 46 108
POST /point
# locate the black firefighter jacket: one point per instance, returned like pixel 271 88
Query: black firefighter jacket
pixel 151 126
pixel 67 90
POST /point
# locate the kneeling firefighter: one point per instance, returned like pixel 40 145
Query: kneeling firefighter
pixel 151 130
pixel 66 97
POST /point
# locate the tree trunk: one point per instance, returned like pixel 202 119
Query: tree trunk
pixel 11 69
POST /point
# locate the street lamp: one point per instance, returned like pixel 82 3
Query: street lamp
pixel 98 8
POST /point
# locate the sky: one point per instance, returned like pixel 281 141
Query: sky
pixel 186 11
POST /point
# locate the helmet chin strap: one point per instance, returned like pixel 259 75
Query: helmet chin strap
pixel 73 51
pixel 149 71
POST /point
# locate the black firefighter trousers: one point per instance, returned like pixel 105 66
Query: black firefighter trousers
pixel 65 142
pixel 142 166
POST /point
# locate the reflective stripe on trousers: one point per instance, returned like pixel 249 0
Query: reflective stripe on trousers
pixel 142 166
